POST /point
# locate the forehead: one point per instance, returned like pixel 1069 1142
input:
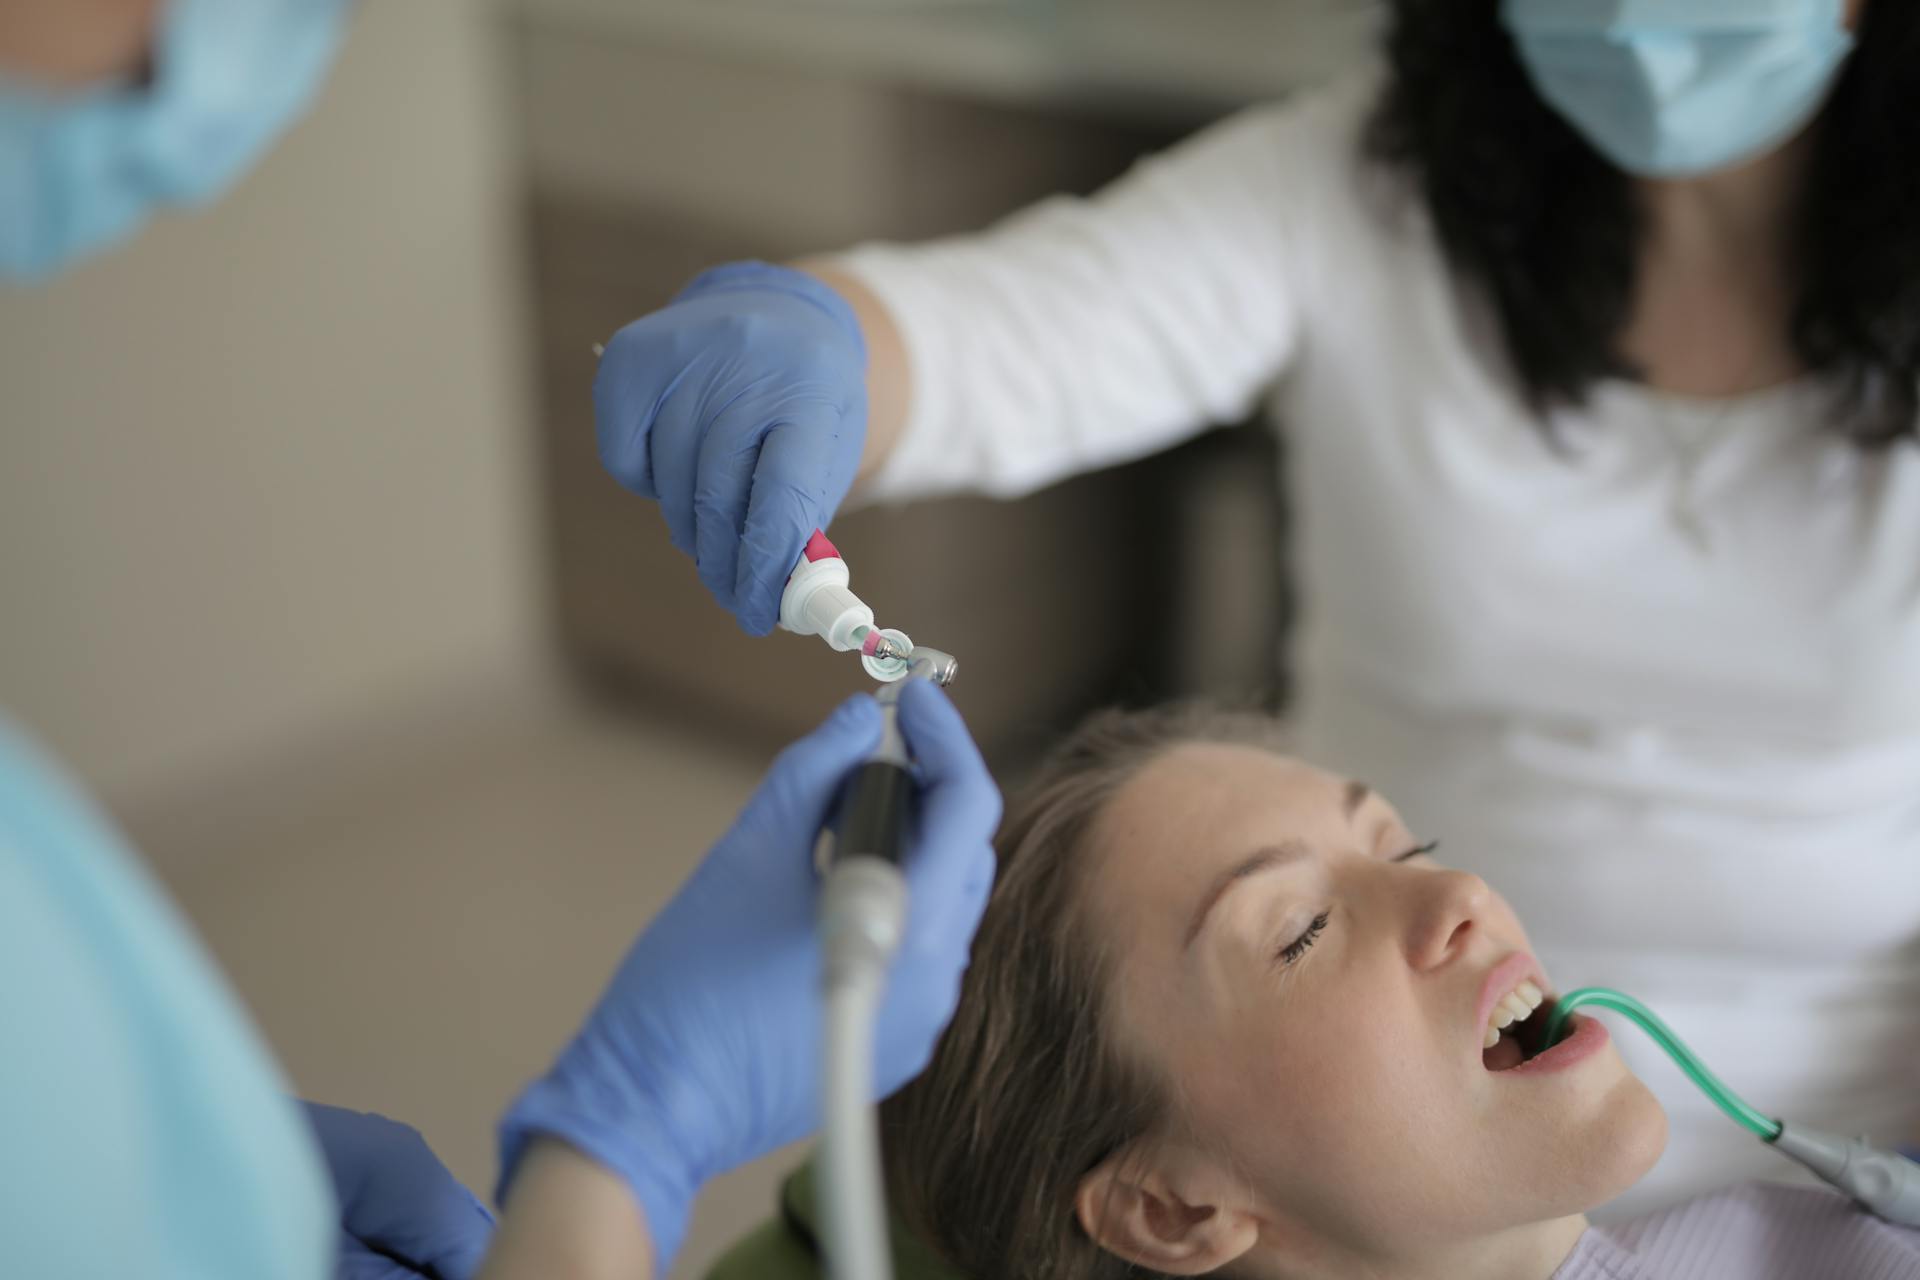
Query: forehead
pixel 1200 808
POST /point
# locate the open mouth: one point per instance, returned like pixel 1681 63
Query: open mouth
pixel 1519 1022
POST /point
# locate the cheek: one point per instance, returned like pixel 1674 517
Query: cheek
pixel 1376 1134
pixel 1320 1112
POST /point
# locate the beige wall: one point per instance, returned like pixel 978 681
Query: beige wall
pixel 264 472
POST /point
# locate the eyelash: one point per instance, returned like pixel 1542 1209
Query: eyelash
pixel 1420 851
pixel 1298 947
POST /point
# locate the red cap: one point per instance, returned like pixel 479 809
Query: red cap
pixel 818 548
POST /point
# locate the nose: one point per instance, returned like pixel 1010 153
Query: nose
pixel 1449 910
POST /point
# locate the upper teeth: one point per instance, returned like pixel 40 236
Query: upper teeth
pixel 1516 1006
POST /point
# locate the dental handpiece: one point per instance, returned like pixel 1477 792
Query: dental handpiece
pixel 878 809
pixel 863 916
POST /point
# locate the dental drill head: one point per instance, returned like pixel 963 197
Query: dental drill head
pixel 933 664
pixel 921 663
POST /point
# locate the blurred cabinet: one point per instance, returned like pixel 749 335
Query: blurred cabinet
pixel 1077 595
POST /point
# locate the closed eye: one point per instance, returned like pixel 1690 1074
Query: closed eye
pixel 1421 851
pixel 1292 951
pixel 1298 947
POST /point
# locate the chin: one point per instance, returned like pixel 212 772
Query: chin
pixel 1610 1132
pixel 1634 1136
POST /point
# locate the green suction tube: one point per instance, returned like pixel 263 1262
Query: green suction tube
pixel 1644 1018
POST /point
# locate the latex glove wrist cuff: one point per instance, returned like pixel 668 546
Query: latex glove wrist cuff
pixel 741 277
pixel 625 1136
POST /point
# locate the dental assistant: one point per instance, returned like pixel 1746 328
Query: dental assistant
pixel 144 1127
pixel 1594 327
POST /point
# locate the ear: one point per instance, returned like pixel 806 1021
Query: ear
pixel 1175 1214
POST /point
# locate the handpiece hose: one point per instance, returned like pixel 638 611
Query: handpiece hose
pixel 862 914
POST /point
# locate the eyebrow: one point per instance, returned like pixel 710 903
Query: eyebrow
pixel 1357 793
pixel 1273 855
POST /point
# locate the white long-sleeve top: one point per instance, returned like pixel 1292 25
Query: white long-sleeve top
pixel 1660 685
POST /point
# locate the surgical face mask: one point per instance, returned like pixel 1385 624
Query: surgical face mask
pixel 82 170
pixel 1673 88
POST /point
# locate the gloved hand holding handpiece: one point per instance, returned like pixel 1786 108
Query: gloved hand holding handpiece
pixel 704 1051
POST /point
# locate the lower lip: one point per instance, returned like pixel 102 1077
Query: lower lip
pixel 1588 1038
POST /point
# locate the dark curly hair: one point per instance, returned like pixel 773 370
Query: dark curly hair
pixel 1530 212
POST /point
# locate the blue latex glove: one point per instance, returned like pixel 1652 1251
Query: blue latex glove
pixel 704 1051
pixel 741 407
pixel 402 1214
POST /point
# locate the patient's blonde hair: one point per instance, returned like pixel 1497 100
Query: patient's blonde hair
pixel 1025 1095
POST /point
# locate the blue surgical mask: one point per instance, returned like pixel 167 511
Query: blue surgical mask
pixel 1674 88
pixel 80 171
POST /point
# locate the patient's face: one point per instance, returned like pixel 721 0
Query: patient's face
pixel 1322 1027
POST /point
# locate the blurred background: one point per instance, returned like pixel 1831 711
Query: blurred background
pixel 309 568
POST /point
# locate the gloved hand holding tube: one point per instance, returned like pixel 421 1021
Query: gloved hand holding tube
pixel 673 1081
pixel 741 407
